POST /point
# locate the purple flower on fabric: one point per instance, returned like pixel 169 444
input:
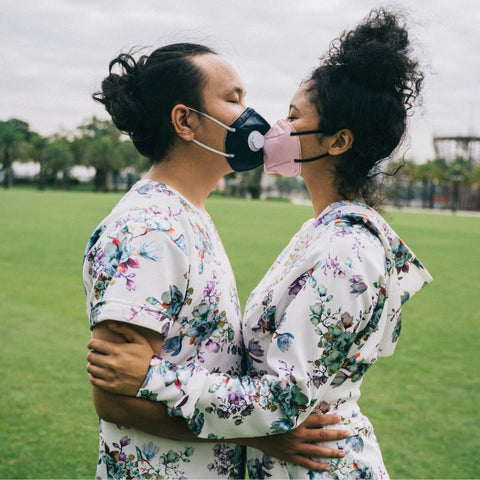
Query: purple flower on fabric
pixel 124 441
pixel 346 319
pixel 212 346
pixel 268 462
pixel 323 407
pixel 358 286
pixel 298 283
pixel 234 398
pixel 130 284
pixel 209 289
pixel 221 470
pixel 229 454
pixel 255 349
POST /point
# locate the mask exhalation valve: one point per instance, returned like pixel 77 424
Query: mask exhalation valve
pixel 255 141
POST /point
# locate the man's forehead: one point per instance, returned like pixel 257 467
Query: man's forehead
pixel 220 75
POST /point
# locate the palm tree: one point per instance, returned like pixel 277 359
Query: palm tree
pixel 36 145
pixel 99 143
pixel 13 134
pixel 431 173
pixel 56 161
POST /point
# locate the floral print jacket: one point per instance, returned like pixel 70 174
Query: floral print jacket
pixel 329 306
pixel 157 261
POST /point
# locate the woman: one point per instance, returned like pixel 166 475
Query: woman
pixel 330 305
pixel 156 262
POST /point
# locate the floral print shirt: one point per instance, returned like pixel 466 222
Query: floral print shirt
pixel 157 261
pixel 328 307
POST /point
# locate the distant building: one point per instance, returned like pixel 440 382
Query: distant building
pixel 451 147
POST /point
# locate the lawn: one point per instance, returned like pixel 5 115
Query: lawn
pixel 423 401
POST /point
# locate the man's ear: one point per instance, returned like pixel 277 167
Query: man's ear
pixel 341 142
pixel 184 121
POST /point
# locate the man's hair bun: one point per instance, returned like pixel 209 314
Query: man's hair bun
pixel 139 94
pixel 118 93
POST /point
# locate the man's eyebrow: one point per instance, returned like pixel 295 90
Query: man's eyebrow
pixel 239 90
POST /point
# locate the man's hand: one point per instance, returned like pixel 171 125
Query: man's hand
pixel 298 445
pixel 119 367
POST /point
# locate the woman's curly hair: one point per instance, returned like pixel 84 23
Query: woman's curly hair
pixel 367 83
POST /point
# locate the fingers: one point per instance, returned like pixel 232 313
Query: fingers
pixel 101 383
pixel 98 372
pixel 317 451
pixel 316 420
pixel 311 432
pixel 324 435
pixel 310 464
pixel 103 378
pixel 97 359
pixel 101 346
pixel 130 334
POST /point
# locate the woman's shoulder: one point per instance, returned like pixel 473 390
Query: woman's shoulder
pixel 349 233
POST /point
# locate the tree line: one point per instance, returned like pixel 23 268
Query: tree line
pixel 435 183
pixel 97 143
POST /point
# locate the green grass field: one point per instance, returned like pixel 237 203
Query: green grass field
pixel 423 401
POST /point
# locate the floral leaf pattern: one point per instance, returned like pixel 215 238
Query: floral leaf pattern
pixel 156 261
pixel 326 310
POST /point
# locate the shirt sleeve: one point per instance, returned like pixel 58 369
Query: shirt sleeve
pixel 314 348
pixel 141 280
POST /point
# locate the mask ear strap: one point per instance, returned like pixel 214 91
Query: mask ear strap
pixel 307 132
pixel 214 150
pixel 218 122
pixel 318 157
pixel 304 160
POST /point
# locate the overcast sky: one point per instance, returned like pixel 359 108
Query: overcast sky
pixel 54 53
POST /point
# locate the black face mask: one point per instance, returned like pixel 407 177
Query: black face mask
pixel 243 141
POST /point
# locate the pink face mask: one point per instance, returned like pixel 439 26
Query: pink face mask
pixel 281 149
pixel 282 152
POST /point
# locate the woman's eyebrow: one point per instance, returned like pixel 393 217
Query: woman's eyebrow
pixel 294 107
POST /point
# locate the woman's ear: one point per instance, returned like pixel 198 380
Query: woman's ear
pixel 183 121
pixel 341 142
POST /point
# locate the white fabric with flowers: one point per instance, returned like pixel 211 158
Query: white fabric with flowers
pixel 157 261
pixel 328 307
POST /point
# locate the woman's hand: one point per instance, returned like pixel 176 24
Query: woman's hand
pixel 119 367
pixel 298 445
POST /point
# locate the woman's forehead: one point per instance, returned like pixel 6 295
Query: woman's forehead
pixel 301 101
